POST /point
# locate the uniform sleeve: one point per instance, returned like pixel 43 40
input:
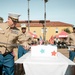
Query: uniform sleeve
pixel 25 39
pixel 30 39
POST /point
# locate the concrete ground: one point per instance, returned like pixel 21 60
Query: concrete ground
pixel 64 52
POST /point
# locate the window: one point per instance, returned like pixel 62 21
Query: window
pixel 34 32
pixel 56 30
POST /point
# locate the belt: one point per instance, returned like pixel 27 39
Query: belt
pixel 6 51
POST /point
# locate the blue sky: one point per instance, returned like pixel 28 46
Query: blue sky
pixel 56 10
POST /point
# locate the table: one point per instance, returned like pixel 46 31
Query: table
pixel 45 66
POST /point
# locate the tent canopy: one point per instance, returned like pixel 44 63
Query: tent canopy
pixel 62 34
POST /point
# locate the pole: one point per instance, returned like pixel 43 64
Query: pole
pixel 28 17
pixel 44 28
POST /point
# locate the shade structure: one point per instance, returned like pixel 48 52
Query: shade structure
pixel 62 34
pixel 33 35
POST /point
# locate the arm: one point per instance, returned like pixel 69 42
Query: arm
pixel 25 40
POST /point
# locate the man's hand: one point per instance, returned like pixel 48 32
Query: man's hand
pixel 26 46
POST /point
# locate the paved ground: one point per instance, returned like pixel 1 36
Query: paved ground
pixel 64 52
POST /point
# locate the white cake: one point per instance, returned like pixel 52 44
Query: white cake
pixel 44 51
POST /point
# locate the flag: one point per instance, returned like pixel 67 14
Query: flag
pixel 41 40
pixel 33 35
pixel 51 40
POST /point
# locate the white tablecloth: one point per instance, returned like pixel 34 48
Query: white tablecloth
pixel 45 66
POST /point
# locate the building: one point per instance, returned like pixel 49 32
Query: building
pixel 52 27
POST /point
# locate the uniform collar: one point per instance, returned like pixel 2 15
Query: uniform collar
pixel 24 33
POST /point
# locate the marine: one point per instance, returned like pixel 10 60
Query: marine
pixel 25 36
pixel 71 43
pixel 9 37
